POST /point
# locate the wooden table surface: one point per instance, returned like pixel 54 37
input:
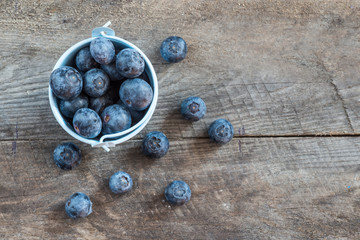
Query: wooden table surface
pixel 285 73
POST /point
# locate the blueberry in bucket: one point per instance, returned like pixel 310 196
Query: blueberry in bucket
pixel 66 83
pixel 130 63
pixel 87 123
pixel 69 108
pixel 96 82
pixel 100 103
pixel 110 70
pixel 136 94
pixel 84 61
pixel 115 118
pixel 102 50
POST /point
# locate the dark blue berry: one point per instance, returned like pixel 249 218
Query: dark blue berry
pixel 177 193
pixel 100 103
pixel 68 108
pixel 193 108
pixel 136 116
pixel 173 49
pixel 87 123
pixel 111 71
pixel 155 145
pixel 78 205
pixel 96 82
pixel 67 156
pixel 115 118
pixel 221 131
pixel 120 182
pixel 130 63
pixel 66 83
pixel 84 61
pixel 102 50
pixel 136 94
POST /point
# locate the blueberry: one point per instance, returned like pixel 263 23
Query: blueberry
pixel 102 50
pixel 84 61
pixel 193 108
pixel 177 193
pixel 100 103
pixel 221 131
pixel 173 49
pixel 66 83
pixel 78 205
pixel 87 123
pixel 96 82
pixel 115 118
pixel 136 93
pixel 120 182
pixel 130 63
pixel 136 116
pixel 111 71
pixel 68 108
pixel 67 156
pixel 155 145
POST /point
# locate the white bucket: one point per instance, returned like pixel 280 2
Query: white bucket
pixel 109 140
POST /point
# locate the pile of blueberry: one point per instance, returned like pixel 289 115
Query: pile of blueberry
pixel 87 96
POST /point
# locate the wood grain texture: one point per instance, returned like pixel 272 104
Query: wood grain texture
pixel 285 68
pixel 285 73
pixel 275 188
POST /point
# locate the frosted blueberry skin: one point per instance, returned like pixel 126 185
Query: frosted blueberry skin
pixel 102 50
pixel 100 103
pixel 115 118
pixel 221 131
pixel 110 70
pixel 136 94
pixel 120 182
pixel 87 123
pixel 66 82
pixel 130 63
pixel 78 206
pixel 96 82
pixel 177 193
pixel 173 49
pixel 67 156
pixel 193 108
pixel 69 108
pixel 155 144
pixel 84 61
pixel 136 116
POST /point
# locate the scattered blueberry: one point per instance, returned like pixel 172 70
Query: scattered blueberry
pixel 110 70
pixel 102 50
pixel 100 103
pixel 221 131
pixel 173 49
pixel 66 83
pixel 67 156
pixel 136 116
pixel 68 108
pixel 120 182
pixel 130 63
pixel 193 108
pixel 136 93
pixel 96 82
pixel 78 205
pixel 115 118
pixel 155 145
pixel 84 61
pixel 177 193
pixel 87 123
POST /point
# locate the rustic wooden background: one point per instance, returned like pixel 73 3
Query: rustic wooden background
pixel 285 73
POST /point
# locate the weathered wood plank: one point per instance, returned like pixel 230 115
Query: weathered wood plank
pixel 275 188
pixel 285 68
